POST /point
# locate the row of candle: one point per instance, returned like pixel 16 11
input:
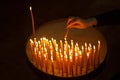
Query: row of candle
pixel 64 58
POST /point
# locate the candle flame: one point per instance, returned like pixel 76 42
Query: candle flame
pixel 31 41
pixel 94 47
pixel 64 51
pixel 30 8
pixel 82 47
pixel 90 45
pixel 85 44
pixel 63 54
pixel 88 55
pixel 98 42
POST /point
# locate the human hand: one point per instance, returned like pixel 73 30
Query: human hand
pixel 75 22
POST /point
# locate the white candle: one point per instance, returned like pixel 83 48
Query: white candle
pixel 33 27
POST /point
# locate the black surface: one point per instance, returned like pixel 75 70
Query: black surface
pixel 15 28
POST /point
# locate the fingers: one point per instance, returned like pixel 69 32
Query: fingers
pixel 75 24
pixel 72 19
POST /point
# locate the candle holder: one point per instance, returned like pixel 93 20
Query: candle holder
pixel 79 54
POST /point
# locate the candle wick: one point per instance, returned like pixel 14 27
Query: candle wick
pixel 33 27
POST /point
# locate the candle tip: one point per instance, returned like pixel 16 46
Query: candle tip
pixel 30 8
pixel 99 41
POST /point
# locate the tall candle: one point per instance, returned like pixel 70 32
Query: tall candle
pixel 33 27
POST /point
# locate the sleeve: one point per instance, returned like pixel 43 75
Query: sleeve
pixel 109 18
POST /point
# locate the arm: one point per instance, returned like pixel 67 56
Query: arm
pixel 109 18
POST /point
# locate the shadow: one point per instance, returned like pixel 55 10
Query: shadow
pixel 116 76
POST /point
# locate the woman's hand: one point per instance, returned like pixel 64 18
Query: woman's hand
pixel 75 22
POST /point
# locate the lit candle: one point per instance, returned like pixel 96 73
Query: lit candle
pixel 84 56
pixel 85 47
pixel 31 46
pixel 98 52
pixel 33 27
pixel 35 41
pixel 81 64
pixel 52 65
pixel 94 54
pixel 40 59
pixel 66 64
pixel 35 56
pixel 66 46
pixel 61 61
pixel 76 61
pixel 87 66
pixel 54 42
pixel 57 60
pixel 90 53
pixel 31 43
pixel 61 45
pixel 45 62
pixel 71 65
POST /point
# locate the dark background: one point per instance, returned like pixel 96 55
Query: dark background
pixel 15 28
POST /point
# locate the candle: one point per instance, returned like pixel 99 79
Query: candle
pixel 84 56
pixel 61 46
pixel 40 60
pixel 71 65
pixel 72 46
pixel 65 60
pixel 52 65
pixel 87 66
pixel 45 61
pixel 81 64
pixel 61 59
pixel 35 56
pixel 66 33
pixel 85 47
pixel 76 61
pixel 66 64
pixel 31 43
pixel 90 54
pixel 98 52
pixel 33 27
pixel 31 46
pixel 94 55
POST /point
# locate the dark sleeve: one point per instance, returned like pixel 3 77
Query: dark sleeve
pixel 109 18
